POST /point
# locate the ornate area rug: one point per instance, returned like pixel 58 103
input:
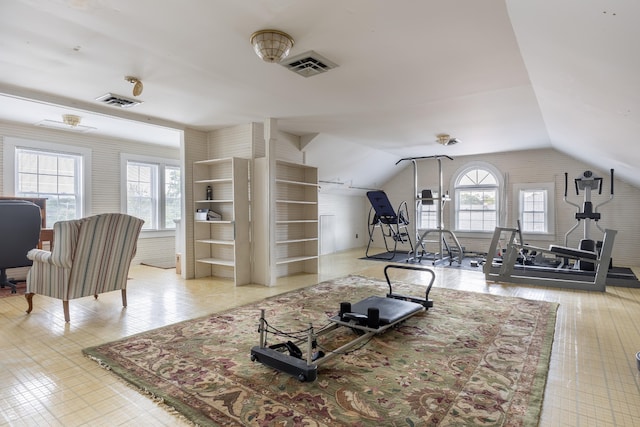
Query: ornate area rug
pixel 472 359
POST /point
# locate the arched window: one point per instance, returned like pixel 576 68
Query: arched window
pixel 477 198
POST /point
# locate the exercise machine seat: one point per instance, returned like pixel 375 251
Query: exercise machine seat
pixel 19 233
pixel 572 252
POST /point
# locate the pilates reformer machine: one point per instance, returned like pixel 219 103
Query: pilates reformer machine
pixel 453 249
pixel 392 224
pixel 585 267
pixel 367 318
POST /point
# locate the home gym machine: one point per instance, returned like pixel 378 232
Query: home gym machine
pixel 454 253
pixel 587 182
pixel 371 316
pixel 591 260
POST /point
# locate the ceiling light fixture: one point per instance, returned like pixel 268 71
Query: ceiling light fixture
pixel 71 120
pixel 445 139
pixel 271 45
pixel 137 85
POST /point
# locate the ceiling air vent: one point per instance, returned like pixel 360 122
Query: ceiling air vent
pixel 308 64
pixel 118 100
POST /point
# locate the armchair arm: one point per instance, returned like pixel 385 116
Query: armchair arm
pixel 38 255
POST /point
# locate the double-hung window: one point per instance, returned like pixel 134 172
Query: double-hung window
pixel 51 171
pixel 535 207
pixel 152 189
pixel 477 199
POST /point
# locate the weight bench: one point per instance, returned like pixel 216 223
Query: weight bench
pixel 369 317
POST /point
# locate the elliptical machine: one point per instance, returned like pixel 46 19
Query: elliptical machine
pixel 586 182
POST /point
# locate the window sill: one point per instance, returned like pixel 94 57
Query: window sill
pixel 154 234
pixel 544 237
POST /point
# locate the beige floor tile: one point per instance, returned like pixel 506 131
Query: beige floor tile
pixel 45 380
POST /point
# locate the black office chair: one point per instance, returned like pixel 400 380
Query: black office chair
pixel 20 223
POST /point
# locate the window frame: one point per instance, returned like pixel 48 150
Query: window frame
pixel 159 194
pixel 500 198
pixel 10 180
pixel 549 189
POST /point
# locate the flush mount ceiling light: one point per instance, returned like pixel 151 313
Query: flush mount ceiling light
pixel 445 139
pixel 137 84
pixel 71 120
pixel 271 45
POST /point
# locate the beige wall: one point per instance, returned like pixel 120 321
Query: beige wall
pixel 105 175
pixel 537 166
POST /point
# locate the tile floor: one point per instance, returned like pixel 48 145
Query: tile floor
pixel 46 381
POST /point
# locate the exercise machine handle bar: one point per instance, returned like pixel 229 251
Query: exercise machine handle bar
pixel 566 187
pixel 424 301
pixel 439 156
pixel 595 209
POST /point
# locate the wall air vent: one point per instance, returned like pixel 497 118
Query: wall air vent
pixel 118 100
pixel 308 64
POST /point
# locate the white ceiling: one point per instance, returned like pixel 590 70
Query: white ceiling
pixel 498 75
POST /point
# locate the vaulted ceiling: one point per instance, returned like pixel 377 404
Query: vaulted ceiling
pixel 497 75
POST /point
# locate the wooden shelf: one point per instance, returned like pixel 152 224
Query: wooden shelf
pixel 213 181
pixel 297 202
pixel 217 261
pixel 295 259
pixel 216 242
pixel 284 242
pixel 286 225
pixel 222 248
pixel 287 181
pixel 215 201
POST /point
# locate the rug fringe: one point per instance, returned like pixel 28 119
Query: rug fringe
pixel 158 400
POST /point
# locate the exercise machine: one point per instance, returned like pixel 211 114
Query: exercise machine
pixel 585 267
pixel 367 318
pixel 509 270
pixel 393 225
pixel 587 182
pixel 454 251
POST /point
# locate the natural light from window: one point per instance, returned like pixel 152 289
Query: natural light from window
pixel 54 176
pixel 476 192
pixel 153 193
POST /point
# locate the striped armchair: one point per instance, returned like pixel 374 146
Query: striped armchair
pixel 91 255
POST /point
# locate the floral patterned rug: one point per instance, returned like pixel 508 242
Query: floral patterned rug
pixel 472 359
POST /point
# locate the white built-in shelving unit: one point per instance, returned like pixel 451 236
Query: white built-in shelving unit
pixel 286 238
pixel 222 247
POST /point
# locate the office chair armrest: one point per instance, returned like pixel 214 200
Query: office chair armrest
pixel 38 255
